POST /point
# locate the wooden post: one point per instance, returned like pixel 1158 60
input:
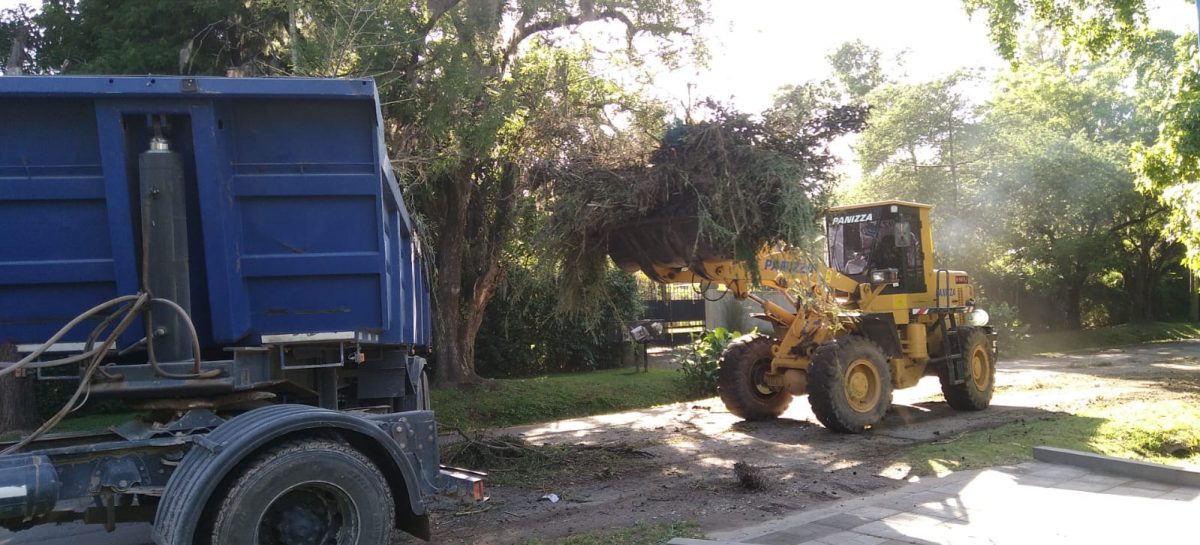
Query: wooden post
pixel 1193 296
pixel 18 411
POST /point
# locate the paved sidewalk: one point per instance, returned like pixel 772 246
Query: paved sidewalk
pixel 1018 505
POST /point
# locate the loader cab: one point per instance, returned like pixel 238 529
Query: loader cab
pixel 881 243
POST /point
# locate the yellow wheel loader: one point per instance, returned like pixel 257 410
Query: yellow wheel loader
pixel 876 316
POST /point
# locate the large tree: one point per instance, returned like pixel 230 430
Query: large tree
pixel 472 111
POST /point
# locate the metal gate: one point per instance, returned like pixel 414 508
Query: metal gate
pixel 680 307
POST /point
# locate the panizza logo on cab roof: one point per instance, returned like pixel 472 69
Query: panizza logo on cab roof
pixel 853 218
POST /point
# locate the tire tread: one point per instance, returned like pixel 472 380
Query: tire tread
pixel 965 397
pixel 239 484
pixel 733 380
pixel 825 375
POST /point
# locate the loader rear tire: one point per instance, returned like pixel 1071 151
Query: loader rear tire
pixel 740 383
pixel 849 384
pixel 975 394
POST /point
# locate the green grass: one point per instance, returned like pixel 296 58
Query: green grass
pixel 94 422
pixel 1107 337
pixel 1162 431
pixel 511 402
pixel 88 423
pixel 638 534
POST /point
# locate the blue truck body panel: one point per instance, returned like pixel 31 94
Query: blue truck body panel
pixel 296 224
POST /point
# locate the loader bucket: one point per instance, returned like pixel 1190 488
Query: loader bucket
pixel 671 242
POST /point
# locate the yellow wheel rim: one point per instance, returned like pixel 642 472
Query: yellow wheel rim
pixel 863 387
pixel 980 368
pixel 758 375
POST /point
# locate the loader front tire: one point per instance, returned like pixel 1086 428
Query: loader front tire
pixel 849 384
pixel 740 379
pixel 974 394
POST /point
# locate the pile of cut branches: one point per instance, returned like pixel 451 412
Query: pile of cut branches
pixel 510 460
pixel 717 189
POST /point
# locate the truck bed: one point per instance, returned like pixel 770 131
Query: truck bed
pixel 296 225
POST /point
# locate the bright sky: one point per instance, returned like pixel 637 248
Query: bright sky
pixel 759 45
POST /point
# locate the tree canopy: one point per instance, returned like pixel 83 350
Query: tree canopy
pixel 1033 187
pixel 1169 164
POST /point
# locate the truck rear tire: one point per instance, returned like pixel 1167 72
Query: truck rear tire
pixel 975 394
pixel 306 492
pixel 849 384
pixel 740 383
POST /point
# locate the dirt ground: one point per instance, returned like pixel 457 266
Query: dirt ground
pixel 695 446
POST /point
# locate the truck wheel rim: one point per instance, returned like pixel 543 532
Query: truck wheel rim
pixel 862 386
pixel 315 513
pixel 979 368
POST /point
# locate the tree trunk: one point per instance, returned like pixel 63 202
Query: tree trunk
pixel 1072 301
pixel 18 412
pixel 293 44
pixel 455 349
pixel 468 261
pixel 16 55
pixel 1139 289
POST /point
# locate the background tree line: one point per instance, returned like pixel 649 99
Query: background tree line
pixel 1032 176
pixel 1063 191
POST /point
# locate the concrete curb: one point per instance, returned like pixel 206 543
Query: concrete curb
pixel 689 541
pixel 1120 466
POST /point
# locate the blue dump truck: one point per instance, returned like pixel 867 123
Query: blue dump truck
pixel 232 259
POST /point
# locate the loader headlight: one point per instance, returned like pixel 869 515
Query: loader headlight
pixel 885 276
pixel 977 318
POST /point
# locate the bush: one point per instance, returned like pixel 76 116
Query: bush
pixel 51 395
pixel 699 364
pixel 525 332
pixel 1010 330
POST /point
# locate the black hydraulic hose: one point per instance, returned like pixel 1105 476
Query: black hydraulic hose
pixel 95 335
pixel 85 377
pixel 89 346
pixel 7 369
pixel 196 370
